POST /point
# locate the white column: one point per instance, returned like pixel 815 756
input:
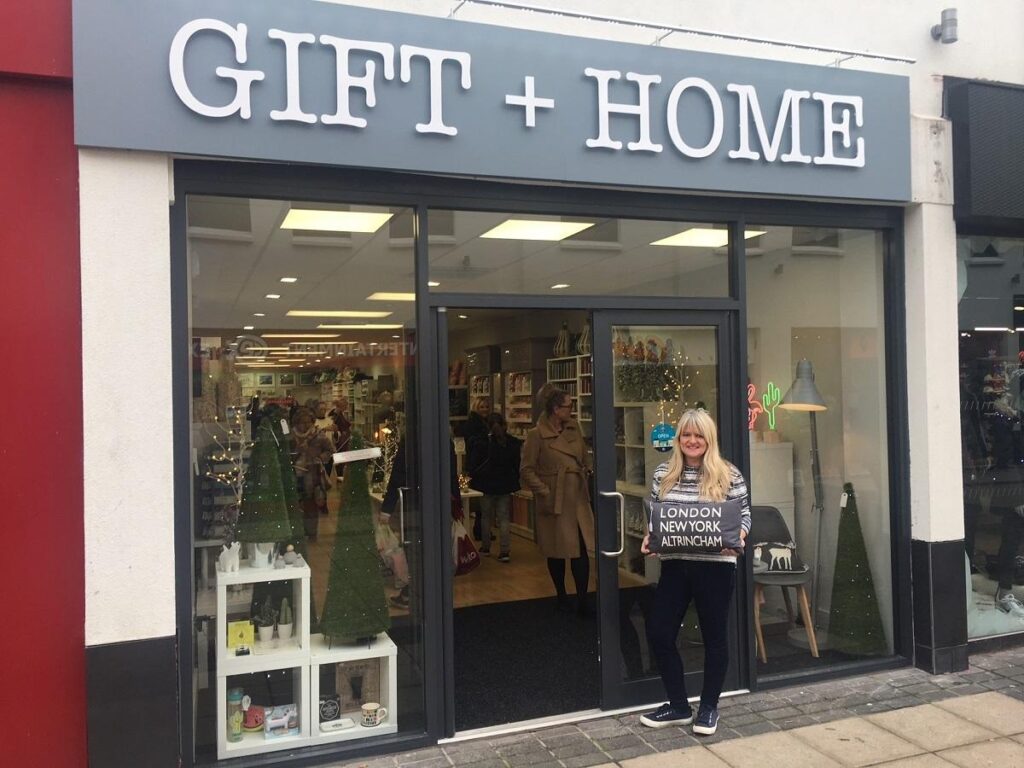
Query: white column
pixel 936 492
pixel 126 391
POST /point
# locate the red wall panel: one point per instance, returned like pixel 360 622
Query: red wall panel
pixel 35 37
pixel 43 703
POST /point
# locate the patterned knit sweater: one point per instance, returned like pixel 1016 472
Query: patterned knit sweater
pixel 686 491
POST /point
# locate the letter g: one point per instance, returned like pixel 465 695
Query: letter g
pixel 243 78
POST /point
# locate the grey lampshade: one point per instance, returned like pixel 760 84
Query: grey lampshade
pixel 803 395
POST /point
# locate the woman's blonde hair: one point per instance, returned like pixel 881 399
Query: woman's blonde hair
pixel 715 472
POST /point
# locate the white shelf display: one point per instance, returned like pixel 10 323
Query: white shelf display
pixel 575 375
pixel 519 411
pixel 292 668
pixel 344 679
pixel 635 462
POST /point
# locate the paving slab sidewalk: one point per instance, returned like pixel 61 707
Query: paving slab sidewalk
pixel 903 718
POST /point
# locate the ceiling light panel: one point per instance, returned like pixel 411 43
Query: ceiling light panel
pixel 300 335
pixel 337 313
pixel 391 296
pixel 527 229
pixel 364 327
pixel 700 237
pixel 334 221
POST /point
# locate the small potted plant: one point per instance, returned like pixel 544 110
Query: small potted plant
pixel 284 622
pixel 264 621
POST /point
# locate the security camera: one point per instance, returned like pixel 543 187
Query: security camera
pixel 946 31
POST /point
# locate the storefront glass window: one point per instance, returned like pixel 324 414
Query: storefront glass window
pixel 308 597
pixel 991 354
pixel 818 446
pixel 478 252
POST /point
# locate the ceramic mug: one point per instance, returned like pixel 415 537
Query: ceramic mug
pixel 374 714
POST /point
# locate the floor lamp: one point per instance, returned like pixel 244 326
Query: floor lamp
pixel 804 396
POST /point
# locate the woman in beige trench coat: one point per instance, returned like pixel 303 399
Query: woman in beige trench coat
pixel 556 466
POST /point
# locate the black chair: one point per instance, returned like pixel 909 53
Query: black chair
pixel 768 526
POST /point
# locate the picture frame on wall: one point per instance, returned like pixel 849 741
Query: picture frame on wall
pixel 264 379
pixel 245 379
pixel 286 379
pixel 307 379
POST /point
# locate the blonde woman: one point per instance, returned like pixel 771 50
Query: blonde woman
pixel 696 472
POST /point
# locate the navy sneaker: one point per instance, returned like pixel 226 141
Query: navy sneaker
pixel 707 720
pixel 667 715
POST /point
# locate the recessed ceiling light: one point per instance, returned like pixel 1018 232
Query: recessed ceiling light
pixel 318 359
pixel 463 317
pixel 559 286
pixel 527 229
pixel 273 296
pixel 391 296
pixel 433 283
pixel 289 279
pixel 700 237
pixel 300 335
pixel 990 328
pixel 1018 309
pixel 396 336
pixel 334 221
pixel 372 344
pixel 259 314
pixel 363 327
pixel 337 313
pixel 248 327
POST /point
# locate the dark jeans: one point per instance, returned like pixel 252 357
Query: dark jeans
pixel 710 586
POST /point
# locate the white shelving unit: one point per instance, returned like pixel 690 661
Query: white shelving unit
pixel 575 374
pixel 382 648
pixel 292 654
pixel 303 654
pixel 519 389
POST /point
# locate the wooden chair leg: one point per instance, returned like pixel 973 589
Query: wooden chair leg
pixel 789 605
pixel 762 652
pixel 805 611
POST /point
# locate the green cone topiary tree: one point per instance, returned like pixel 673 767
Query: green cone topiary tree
pixel 855 623
pixel 263 516
pixel 355 606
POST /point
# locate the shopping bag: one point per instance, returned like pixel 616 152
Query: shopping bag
pixel 463 552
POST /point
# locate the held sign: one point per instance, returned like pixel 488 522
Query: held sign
pixel 700 527
pixel 340 85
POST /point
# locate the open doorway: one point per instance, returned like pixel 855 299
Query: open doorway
pixel 515 636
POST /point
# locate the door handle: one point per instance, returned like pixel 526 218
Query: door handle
pixel 401 514
pixel 622 523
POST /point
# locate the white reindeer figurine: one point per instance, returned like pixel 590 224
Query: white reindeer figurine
pixel 228 558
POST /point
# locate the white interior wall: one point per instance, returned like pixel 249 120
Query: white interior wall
pixel 126 391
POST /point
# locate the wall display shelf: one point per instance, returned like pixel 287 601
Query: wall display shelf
pixel 635 462
pixel 519 407
pixel 480 385
pixel 575 375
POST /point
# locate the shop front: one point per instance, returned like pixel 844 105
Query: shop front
pixel 990 246
pixel 387 236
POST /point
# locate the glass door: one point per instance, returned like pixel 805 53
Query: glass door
pixel 650 366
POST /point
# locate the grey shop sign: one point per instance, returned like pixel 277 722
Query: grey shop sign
pixel 314 82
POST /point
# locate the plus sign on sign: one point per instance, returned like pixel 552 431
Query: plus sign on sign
pixel 324 83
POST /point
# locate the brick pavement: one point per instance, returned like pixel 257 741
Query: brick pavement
pixel 613 740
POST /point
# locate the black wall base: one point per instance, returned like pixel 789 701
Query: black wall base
pixel 940 606
pixel 132 703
